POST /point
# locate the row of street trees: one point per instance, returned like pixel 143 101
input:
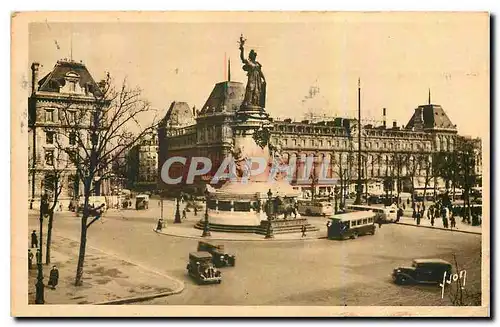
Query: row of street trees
pixel 403 170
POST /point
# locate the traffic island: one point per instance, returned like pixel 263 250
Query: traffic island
pixel 106 279
pixel 425 223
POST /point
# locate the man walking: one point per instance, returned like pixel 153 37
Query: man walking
pixel 159 226
pixel 34 240
pixel 304 230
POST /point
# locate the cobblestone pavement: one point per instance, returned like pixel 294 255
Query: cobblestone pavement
pixel 311 272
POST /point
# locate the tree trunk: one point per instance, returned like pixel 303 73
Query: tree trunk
pixel 49 236
pixel 83 237
pixel 81 255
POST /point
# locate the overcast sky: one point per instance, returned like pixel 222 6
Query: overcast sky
pixel 397 56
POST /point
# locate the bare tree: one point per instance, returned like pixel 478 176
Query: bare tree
pixel 95 134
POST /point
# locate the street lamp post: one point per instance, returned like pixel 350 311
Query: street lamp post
pixel 335 195
pixel 269 232
pixel 39 296
pixel 206 227
pixel 177 212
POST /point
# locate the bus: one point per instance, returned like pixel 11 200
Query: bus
pixel 351 225
pixel 316 208
pixel 386 215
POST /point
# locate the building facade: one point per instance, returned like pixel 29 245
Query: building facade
pixel 65 94
pixel 142 164
pixel 401 154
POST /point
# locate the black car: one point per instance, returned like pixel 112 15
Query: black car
pixel 422 271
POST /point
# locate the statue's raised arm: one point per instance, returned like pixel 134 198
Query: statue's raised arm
pixel 242 49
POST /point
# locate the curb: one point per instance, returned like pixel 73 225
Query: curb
pixel 141 298
pixel 440 228
pixel 240 240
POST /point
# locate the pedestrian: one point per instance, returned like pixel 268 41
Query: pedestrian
pixel 159 226
pixel 304 230
pixel 60 206
pixel 184 217
pixel 399 214
pixel 444 214
pixel 30 259
pixel 195 211
pixel 54 277
pixel 379 222
pixel 418 218
pixel 453 222
pixel 432 220
pixel 34 240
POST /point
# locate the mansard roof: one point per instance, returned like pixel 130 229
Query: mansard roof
pixel 179 114
pixel 430 117
pixel 53 81
pixel 225 97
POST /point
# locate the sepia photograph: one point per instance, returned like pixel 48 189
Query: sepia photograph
pixel 250 164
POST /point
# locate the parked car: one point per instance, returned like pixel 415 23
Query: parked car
pixel 219 257
pixel 428 271
pixel 201 268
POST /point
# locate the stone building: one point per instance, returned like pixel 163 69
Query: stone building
pixel 60 95
pixel 142 164
pixel 387 152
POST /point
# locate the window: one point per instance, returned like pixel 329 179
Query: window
pixel 365 221
pixel 353 223
pixel 72 86
pixel 321 143
pixel 329 143
pixel 303 142
pixel 49 137
pixel 72 116
pixel 49 115
pixel 294 142
pixel 49 157
pixel 72 138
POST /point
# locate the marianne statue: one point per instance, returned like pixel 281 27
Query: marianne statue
pixel 255 94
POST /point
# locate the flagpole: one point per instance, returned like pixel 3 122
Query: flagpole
pixel 358 187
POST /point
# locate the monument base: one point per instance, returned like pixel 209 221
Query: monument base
pixel 285 226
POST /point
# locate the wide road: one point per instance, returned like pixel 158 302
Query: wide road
pixel 309 272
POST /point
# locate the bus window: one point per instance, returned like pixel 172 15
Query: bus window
pixel 359 222
pixel 365 221
pixel 353 223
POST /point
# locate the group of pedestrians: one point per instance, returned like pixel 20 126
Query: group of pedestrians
pixel 54 272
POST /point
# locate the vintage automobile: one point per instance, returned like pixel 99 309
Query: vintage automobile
pixel 422 271
pixel 141 202
pixel 201 268
pixel 219 257
pixel 316 208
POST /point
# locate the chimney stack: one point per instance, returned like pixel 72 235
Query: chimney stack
pixel 34 76
pixel 384 118
pixel 394 124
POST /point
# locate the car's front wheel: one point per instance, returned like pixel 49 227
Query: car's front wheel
pixel 401 280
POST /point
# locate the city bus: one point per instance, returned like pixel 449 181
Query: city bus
pixel 386 215
pixel 351 225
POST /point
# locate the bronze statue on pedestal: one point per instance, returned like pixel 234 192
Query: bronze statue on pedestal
pixel 255 94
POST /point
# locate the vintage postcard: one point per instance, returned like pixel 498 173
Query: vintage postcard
pixel 179 164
